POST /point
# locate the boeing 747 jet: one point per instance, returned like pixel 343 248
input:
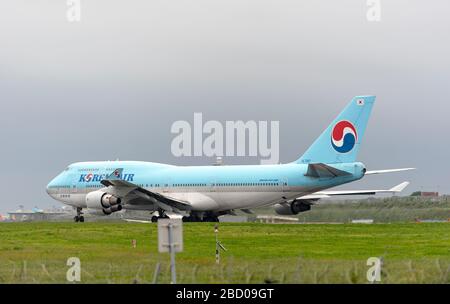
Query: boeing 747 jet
pixel 203 193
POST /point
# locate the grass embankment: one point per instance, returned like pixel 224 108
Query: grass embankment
pixel 283 253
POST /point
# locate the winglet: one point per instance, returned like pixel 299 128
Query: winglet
pixel 117 174
pixel 400 187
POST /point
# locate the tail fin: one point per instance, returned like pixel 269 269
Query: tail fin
pixel 340 142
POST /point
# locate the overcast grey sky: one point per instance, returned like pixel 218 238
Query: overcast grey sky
pixel 111 85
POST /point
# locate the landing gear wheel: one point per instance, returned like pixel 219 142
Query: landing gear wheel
pixel 161 215
pixel 211 219
pixel 79 217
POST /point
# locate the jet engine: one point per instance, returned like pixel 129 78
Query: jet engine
pixel 101 200
pixel 295 207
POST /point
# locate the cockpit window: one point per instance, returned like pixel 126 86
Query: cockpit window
pixel 67 169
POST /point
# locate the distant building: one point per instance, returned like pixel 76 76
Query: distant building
pixel 35 214
pixel 25 216
pixel 219 161
pixel 425 194
pixel 273 219
pixel 429 194
pixel 362 221
pixel 233 219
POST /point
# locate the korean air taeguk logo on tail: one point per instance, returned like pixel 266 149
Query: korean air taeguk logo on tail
pixel 343 136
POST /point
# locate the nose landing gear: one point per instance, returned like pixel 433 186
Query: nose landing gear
pixel 79 217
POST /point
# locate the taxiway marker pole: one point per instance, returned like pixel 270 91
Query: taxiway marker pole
pixel 216 231
pixel 172 254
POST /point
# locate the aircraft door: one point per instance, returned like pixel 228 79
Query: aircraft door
pixel 212 184
pixel 284 185
pixel 166 186
pixel 73 178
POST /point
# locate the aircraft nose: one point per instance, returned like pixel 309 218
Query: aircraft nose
pixel 47 189
pixel 50 187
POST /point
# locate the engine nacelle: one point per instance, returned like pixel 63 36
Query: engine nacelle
pixel 115 208
pixel 101 200
pixel 292 208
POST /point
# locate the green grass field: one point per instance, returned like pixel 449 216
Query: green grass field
pixel 257 253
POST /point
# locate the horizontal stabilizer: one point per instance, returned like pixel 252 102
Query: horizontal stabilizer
pixel 388 171
pixel 321 171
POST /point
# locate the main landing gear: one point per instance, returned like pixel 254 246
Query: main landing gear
pixel 161 215
pixel 212 218
pixel 193 217
pixel 79 217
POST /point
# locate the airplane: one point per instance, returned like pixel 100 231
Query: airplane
pixel 203 193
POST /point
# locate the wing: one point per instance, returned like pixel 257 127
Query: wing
pixel 325 194
pixel 130 191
